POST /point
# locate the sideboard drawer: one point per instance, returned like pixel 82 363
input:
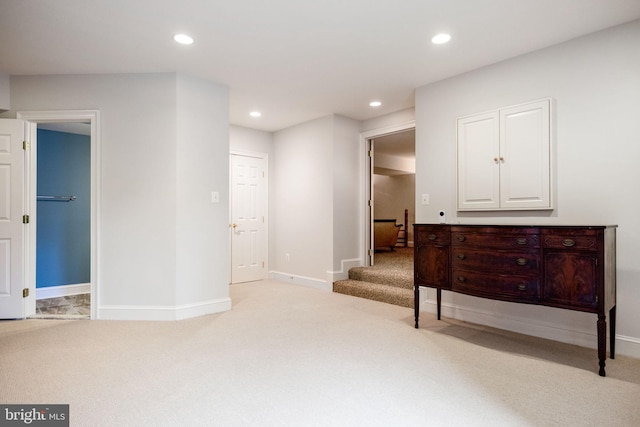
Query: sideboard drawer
pixel 501 262
pixel 507 287
pixel 569 241
pixel 528 238
pixel 431 235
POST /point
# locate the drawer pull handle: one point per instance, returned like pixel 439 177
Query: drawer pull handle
pixel 521 261
pixel 461 238
pixel 432 237
pixel 568 243
pixel 522 287
pixel 462 279
pixel 461 256
pixel 521 241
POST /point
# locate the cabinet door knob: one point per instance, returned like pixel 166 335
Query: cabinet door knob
pixel 568 243
pixel 521 261
pixel 461 256
pixel 462 279
pixel 521 241
pixel 431 237
pixel 461 238
pixel 522 287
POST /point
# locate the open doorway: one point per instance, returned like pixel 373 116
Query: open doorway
pixel 389 188
pixel 62 202
pixel 63 228
pixel 393 178
pixel 389 191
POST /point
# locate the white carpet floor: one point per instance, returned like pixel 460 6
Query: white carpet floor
pixel 287 355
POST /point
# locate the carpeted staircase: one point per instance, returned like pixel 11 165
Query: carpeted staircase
pixel 390 280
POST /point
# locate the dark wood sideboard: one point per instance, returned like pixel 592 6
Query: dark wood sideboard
pixel 569 267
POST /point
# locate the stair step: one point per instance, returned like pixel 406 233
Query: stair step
pixel 400 278
pixel 375 291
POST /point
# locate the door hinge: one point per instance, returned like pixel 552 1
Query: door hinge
pixel 370 252
pixel 370 153
pixel 25 292
pixel 370 202
pixel 26 145
pixel 25 219
pixel 262 264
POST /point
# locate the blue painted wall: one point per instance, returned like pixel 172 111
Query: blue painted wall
pixel 64 228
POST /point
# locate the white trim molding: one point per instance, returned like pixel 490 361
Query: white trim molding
pixel 63 291
pixel 309 282
pixel 343 273
pixel 166 313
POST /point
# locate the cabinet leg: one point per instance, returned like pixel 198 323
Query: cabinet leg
pixel 602 343
pixel 439 300
pixel 612 332
pixel 416 303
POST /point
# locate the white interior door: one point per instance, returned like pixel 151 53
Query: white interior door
pixel 12 229
pixel 248 218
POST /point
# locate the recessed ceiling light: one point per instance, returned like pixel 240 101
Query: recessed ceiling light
pixel 440 38
pixel 255 114
pixel 375 104
pixel 183 39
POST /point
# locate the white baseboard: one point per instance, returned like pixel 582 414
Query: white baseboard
pixel 343 274
pixel 627 346
pixel 301 280
pixel 63 291
pixel 186 311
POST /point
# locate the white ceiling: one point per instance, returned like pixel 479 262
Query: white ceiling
pixel 294 60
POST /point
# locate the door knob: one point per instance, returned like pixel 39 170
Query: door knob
pixel 234 225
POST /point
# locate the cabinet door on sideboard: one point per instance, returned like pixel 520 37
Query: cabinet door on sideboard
pixel 573 260
pixel 432 265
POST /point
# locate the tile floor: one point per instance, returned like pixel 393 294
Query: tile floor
pixel 67 307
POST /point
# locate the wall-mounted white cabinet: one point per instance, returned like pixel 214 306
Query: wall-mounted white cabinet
pixel 504 159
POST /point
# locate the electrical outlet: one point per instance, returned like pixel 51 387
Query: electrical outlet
pixel 425 199
pixel 287 257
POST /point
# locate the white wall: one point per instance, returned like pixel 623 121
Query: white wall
pixel 250 140
pixel 301 203
pixel 5 92
pixel 392 119
pixel 142 225
pixel 314 201
pixel 347 181
pixel 595 83
pixel 202 167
